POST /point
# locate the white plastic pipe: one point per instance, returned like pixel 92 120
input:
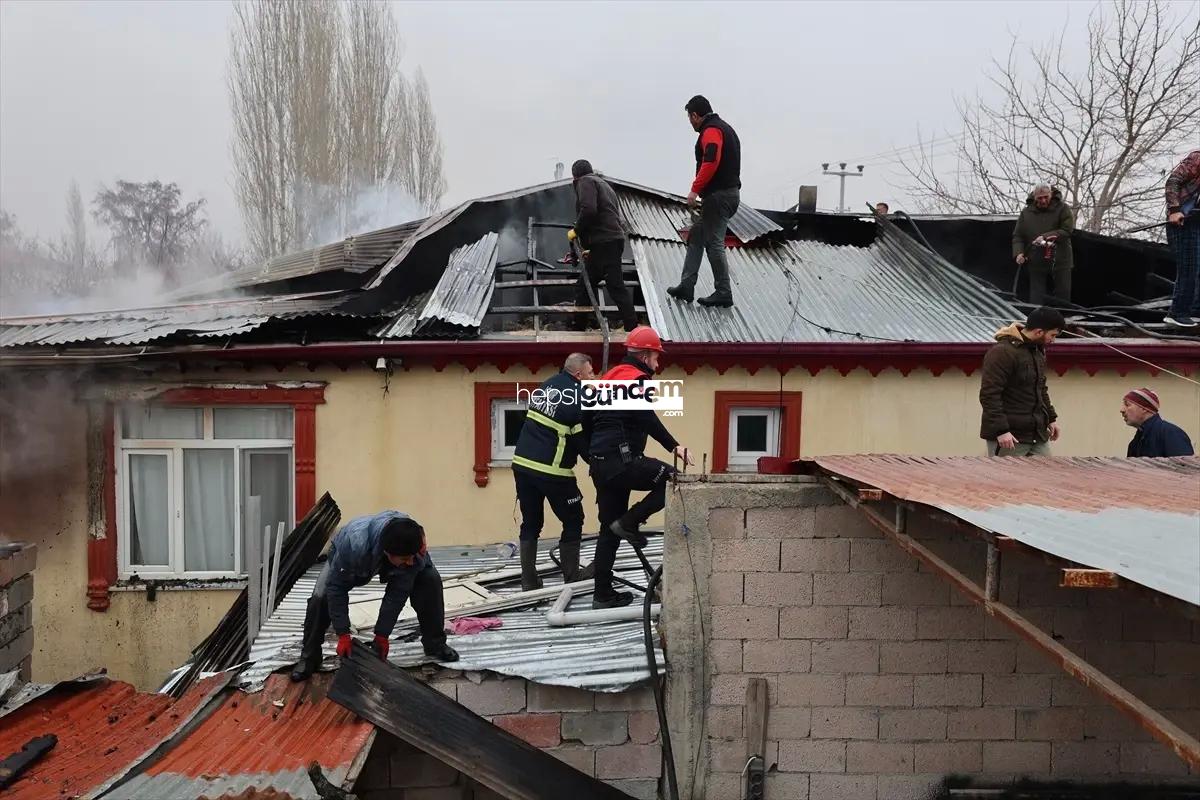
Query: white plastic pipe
pixel 558 616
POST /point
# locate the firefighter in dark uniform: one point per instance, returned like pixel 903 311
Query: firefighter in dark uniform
pixel 619 466
pixel 552 437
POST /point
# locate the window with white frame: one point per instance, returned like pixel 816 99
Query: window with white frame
pixel 185 476
pixel 507 418
pixel 753 433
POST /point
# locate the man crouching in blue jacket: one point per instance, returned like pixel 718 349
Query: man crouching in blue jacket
pixel 389 544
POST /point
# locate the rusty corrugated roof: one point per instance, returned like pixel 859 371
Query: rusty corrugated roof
pixel 260 745
pixel 104 729
pixel 1137 517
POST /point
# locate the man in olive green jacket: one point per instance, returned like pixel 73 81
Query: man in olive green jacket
pixel 1041 243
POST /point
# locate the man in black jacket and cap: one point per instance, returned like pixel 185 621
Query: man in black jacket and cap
pixel 599 230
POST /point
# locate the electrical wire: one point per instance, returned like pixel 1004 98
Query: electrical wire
pixel 616 578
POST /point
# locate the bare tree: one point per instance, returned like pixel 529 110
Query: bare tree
pixel 1104 134
pixel 75 241
pixel 149 224
pixel 428 184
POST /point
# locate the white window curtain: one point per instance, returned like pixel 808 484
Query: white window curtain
pixel 149 513
pixel 252 423
pixel 208 510
pixel 267 474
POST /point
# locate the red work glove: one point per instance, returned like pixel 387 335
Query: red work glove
pixel 343 645
pixel 380 645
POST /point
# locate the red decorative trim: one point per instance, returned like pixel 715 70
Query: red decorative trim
pixel 102 553
pixel 789 425
pixel 485 393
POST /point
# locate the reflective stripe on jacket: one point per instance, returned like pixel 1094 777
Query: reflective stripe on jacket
pixel 553 435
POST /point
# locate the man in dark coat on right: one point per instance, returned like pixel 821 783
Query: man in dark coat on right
pixel 1018 417
pixel 1041 242
pixel 1155 437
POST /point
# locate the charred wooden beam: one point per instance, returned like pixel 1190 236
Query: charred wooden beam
pixel 1079 578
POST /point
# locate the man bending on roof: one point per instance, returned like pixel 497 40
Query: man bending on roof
pixel 389 544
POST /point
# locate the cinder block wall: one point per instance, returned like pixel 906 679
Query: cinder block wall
pixel 610 736
pixel 16 609
pixel 883 680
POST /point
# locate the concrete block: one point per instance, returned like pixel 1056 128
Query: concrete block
pixel 846 589
pixel 1017 758
pixel 1050 724
pixel 845 657
pixel 493 696
pixel 1152 625
pixel 723 784
pixel 812 756
pixel 725 589
pixel 786 722
pixel 744 622
pixel 15 623
pixel 448 688
pixel 643 727
pixel 750 555
pixel 842 787
pixel 913 658
pixel 543 697
pixel 909 787
pixel 727 523
pixel 948 690
pixel 1150 758
pixel 779 655
pixel 595 728
pixel 420 770
pixel 879 690
pixel 727 755
pixel 1082 759
pixel 883 623
pixel 639 790
pixel 1164 691
pixel 813 623
pixel 815 555
pixel 581 758
pixel 782 785
pixel 540 730
pixel 16 594
pixel 951 622
pixel 730 689
pixel 981 723
pixel 17 565
pixel 912 724
pixel 16 651
pixel 806 690
pixel 991 658
pixel 1104 724
pixel 725 656
pixel 915 589
pixel 723 722
pixel 640 699
pixel 879 758
pixel 1177 659
pixel 1118 659
pixel 1021 691
pixel 780 523
pixel 842 521
pixel 629 761
pixel 845 723
pixel 949 757
pixel 879 555
pixel 1066 691
pixel 777 589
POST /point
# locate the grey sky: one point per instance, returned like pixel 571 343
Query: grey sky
pixel 100 90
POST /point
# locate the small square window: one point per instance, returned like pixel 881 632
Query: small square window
pixel 507 418
pixel 753 433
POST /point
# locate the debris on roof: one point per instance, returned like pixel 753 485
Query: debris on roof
pixel 462 295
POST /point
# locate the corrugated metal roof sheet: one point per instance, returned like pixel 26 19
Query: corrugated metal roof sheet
pixel 812 291
pixel 262 742
pixel 657 215
pixel 104 729
pixel 1137 517
pixel 464 291
pixel 609 657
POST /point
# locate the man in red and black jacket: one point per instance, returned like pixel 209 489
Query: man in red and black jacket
pixel 719 182
pixel 619 465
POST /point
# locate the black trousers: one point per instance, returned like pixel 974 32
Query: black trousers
pixel 612 496
pixel 604 264
pixel 426 598
pixel 533 490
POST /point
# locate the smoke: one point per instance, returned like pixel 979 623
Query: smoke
pixel 366 207
pixel 42 427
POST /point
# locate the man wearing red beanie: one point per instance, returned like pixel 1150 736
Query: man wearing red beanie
pixel 1155 437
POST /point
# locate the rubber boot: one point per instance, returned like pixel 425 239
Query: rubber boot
pixel 313 638
pixel 568 557
pixel 529 576
pixel 615 600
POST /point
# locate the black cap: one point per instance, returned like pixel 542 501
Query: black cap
pixel 580 168
pixel 402 537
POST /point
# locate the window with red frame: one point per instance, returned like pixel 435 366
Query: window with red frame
pixel 750 425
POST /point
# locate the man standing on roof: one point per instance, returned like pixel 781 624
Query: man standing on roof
pixel 1041 242
pixel 1155 437
pixel 1183 234
pixel 389 544
pixel 598 227
pixel 543 467
pixel 619 466
pixel 719 182
pixel 1018 417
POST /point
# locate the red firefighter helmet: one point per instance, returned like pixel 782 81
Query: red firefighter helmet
pixel 643 337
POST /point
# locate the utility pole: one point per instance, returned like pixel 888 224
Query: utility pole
pixel 843 174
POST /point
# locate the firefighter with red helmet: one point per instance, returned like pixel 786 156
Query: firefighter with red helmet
pixel 619 466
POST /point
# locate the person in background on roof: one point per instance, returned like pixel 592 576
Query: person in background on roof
pixel 719 182
pixel 599 230
pixel 881 209
pixel 1155 437
pixel 1041 242
pixel 543 467
pixel 619 465
pixel 389 544
pixel 1183 235
pixel 1018 417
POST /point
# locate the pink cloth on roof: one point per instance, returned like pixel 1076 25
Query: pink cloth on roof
pixel 465 626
